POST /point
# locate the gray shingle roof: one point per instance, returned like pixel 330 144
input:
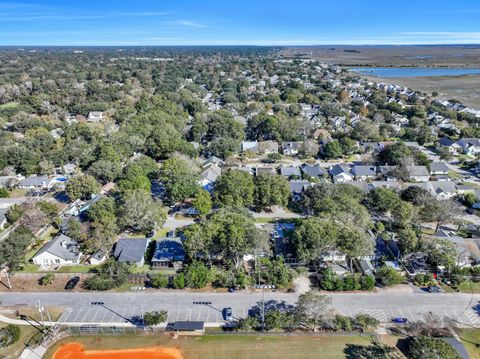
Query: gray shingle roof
pixel 130 249
pixel 438 167
pixel 418 171
pixel 339 169
pixel 63 247
pixel 290 171
pixel 312 171
pixel 34 181
pixel 364 171
pixel 299 186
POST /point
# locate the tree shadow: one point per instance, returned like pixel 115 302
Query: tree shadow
pixel 373 351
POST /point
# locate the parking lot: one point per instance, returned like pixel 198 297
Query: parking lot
pixel 180 306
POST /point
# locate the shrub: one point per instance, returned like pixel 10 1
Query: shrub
pixel 365 322
pixel 9 335
pixel 197 275
pixel 179 281
pixel 109 275
pixel 159 281
pixel 248 324
pixel 343 323
pixel 47 279
pixel 389 276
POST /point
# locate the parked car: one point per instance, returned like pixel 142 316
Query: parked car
pixel 399 320
pixel 227 313
pixel 72 282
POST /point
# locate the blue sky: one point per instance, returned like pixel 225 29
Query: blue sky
pixel 239 22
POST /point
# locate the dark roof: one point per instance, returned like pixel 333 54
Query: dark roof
pixel 312 171
pixel 299 186
pixel 188 326
pixel 169 249
pixel 360 170
pixel 339 169
pixel 130 249
pixel 445 141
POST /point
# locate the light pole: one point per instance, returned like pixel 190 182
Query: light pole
pixel 42 309
pixel 263 287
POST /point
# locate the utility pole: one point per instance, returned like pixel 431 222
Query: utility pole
pixel 263 287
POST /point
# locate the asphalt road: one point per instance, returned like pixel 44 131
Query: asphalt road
pixel 122 307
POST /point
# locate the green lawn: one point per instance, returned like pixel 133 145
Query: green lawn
pixel 228 346
pixel 76 269
pixel 265 220
pixel 454 175
pixel 469 287
pixel 28 335
pixel 471 339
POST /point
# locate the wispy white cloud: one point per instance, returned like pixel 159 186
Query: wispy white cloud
pixel 142 13
pixel 185 23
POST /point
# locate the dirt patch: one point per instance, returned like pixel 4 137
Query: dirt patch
pixel 76 351
pixel 29 283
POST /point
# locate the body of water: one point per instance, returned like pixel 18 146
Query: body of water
pixel 414 71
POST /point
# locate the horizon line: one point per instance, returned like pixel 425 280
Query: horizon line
pixel 243 45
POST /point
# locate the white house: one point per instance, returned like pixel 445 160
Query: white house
pixel 340 173
pixel 469 146
pixel 95 116
pixel 60 251
pixel 418 173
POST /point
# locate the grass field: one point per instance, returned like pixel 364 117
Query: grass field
pixel 228 346
pixel 28 334
pixel 471 339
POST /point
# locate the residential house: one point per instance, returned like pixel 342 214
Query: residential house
pixel 393 248
pixel 469 146
pixel 60 251
pixel 169 252
pixel 297 187
pixel 364 172
pixel 312 170
pixel 418 173
pixel 214 160
pixel 97 258
pixel 290 171
pixel 95 116
pixel 131 250
pixel 340 173
pixel 209 176
pixel 438 168
pixel 387 173
pixel 10 181
pixel 291 148
pixel 364 266
pixel 251 146
pixel 338 269
pixel 333 256
pixel 443 189
pixel 447 143
pixel 37 182
pixel 265 170
pixel 268 147
pixel 464 255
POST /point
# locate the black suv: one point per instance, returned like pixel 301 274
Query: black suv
pixel 72 282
